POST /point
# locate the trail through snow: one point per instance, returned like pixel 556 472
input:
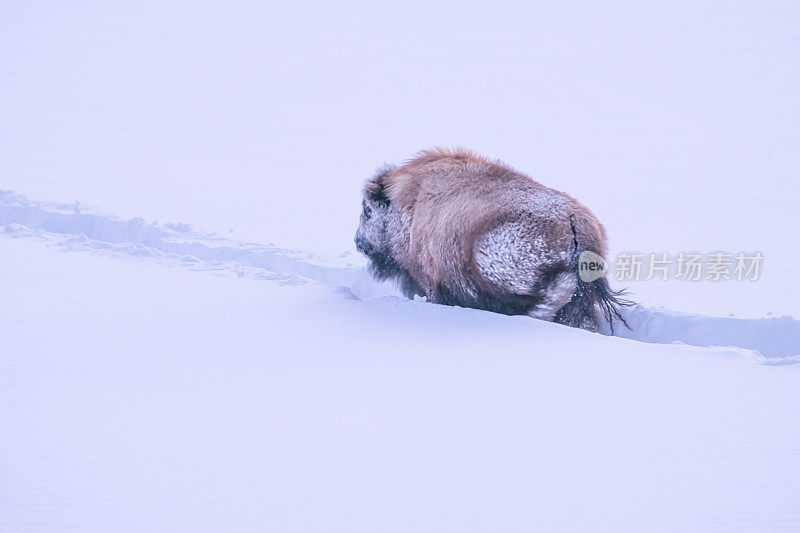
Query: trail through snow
pixel 770 340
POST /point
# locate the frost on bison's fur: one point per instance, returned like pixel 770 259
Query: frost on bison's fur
pixel 463 230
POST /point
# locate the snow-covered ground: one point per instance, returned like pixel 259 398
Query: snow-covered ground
pixel 204 350
pixel 159 378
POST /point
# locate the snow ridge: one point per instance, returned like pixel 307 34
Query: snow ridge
pixel 771 341
pixel 85 229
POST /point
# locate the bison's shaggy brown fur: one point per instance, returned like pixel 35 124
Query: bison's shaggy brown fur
pixel 465 230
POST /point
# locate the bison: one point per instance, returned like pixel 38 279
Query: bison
pixel 464 230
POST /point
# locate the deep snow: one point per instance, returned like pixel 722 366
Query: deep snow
pixel 164 379
pixel 773 340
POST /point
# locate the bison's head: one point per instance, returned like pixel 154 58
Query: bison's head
pixel 374 238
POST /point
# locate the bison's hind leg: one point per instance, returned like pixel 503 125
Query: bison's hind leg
pixel 530 268
pixel 531 275
pixel 554 294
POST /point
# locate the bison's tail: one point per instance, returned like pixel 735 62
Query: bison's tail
pixel 591 303
pixel 608 301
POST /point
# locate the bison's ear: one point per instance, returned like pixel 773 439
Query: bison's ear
pixel 375 189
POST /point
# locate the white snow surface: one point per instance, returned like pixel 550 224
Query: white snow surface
pixel 205 350
pixel 158 378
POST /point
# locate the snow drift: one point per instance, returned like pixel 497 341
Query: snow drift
pixel 773 340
